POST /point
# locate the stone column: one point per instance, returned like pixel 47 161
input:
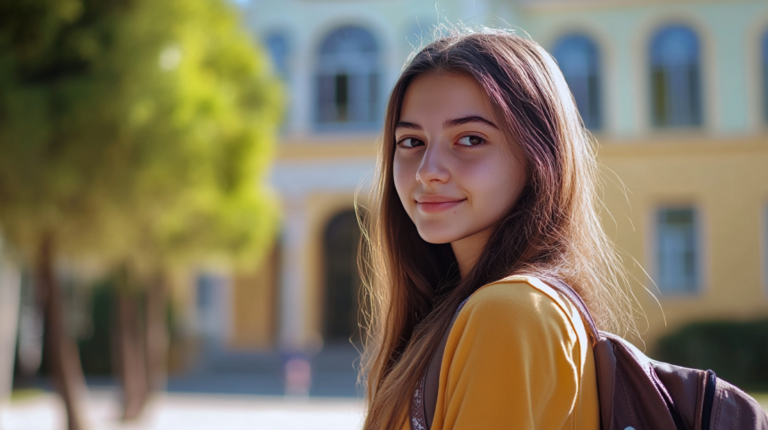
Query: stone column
pixel 10 283
pixel 293 283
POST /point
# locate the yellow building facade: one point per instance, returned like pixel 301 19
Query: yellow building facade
pixel 725 181
pixel 685 183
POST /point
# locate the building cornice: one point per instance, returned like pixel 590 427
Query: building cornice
pixel 561 5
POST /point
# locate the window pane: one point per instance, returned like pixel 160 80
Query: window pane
pixel 675 77
pixel 326 102
pixel 341 98
pixel 677 250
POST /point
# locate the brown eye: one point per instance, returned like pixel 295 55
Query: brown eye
pixel 471 141
pixel 410 142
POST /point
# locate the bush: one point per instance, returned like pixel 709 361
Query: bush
pixel 736 351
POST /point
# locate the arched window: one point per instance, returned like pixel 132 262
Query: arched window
pixel 764 55
pixel 277 46
pixel 348 79
pixel 675 77
pixel 579 60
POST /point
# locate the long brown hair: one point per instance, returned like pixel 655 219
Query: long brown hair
pixel 552 232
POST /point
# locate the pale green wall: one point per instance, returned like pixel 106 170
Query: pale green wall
pixel 729 34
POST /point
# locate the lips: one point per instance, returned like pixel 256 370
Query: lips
pixel 434 204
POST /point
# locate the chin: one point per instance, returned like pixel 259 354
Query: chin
pixel 438 236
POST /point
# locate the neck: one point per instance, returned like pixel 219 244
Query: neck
pixel 468 250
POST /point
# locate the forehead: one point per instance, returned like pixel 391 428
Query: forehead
pixel 440 96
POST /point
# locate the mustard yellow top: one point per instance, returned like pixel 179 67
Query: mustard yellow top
pixel 517 357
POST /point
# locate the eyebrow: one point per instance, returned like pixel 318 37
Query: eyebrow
pixel 449 123
pixel 467 120
pixel 405 124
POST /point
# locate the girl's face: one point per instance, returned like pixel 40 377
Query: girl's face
pixel 455 171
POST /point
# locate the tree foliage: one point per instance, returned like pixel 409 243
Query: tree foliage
pixel 135 128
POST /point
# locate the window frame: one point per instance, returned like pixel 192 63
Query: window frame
pixel 699 252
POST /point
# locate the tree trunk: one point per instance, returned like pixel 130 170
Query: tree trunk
pixel 131 364
pixel 61 351
pixel 157 334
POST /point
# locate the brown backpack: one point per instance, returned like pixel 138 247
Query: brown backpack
pixel 635 392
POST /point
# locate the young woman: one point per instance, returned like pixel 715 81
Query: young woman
pixel 485 194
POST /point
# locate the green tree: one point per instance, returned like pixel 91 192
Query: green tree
pixel 133 133
pixel 200 199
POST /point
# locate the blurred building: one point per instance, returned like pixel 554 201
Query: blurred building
pixel 676 92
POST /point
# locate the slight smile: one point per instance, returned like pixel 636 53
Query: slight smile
pixel 434 204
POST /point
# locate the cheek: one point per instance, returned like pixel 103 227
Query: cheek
pixel 404 182
pixel 496 184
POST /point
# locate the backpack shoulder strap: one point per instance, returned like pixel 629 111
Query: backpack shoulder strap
pixel 574 297
pixel 552 287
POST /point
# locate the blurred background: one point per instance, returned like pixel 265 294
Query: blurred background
pixel 177 183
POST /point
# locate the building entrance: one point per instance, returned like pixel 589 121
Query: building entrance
pixel 342 279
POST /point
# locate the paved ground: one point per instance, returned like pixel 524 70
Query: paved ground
pixel 176 411
pixel 179 411
pixel 334 373
pixel 229 391
pixel 224 390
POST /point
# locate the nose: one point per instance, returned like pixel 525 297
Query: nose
pixel 433 168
